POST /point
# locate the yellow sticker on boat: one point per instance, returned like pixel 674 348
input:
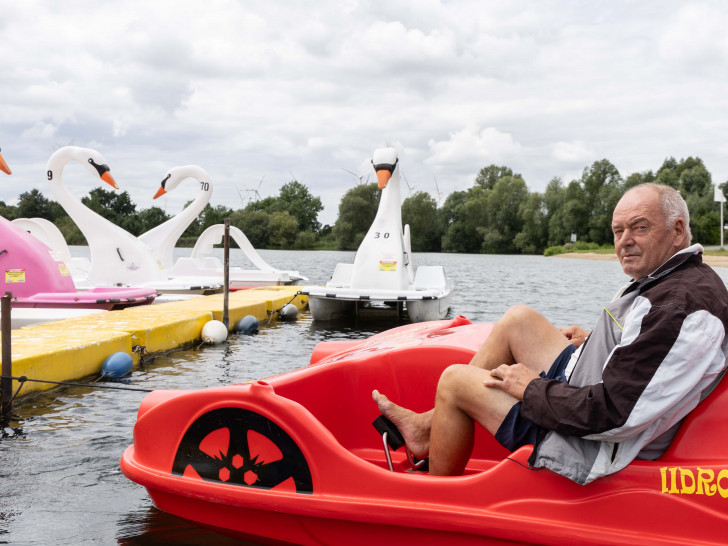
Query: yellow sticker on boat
pixel 386 265
pixel 64 270
pixel 14 275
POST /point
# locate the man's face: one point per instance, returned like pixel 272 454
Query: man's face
pixel 641 239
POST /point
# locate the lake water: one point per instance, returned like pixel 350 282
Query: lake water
pixel 59 461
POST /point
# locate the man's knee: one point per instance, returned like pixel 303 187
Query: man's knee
pixel 520 314
pixel 460 382
pixel 452 380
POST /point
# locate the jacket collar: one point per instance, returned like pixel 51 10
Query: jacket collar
pixel 695 252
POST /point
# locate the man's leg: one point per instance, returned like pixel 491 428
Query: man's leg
pixel 461 400
pixel 521 335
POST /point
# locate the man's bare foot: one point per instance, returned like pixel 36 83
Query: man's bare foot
pixel 415 427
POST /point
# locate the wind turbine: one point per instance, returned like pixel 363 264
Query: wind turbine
pixel 254 191
pixel 410 188
pixel 358 176
pixel 437 189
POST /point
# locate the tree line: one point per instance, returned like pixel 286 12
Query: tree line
pixel 496 215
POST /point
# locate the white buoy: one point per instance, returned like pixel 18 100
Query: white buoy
pixel 288 312
pixel 214 332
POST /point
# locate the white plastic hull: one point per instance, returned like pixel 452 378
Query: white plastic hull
pixel 326 308
pixel 425 310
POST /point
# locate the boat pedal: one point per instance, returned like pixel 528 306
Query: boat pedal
pixel 392 438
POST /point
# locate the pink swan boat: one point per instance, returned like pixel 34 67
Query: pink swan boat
pixel 37 277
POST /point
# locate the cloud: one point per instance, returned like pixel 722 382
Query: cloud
pixel 576 151
pixel 39 130
pixel 695 37
pixel 471 145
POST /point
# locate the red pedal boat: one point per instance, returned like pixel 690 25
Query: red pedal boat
pixel 295 459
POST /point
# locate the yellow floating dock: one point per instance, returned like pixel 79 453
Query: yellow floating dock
pixel 68 350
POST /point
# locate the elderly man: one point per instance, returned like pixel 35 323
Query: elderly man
pixel 591 403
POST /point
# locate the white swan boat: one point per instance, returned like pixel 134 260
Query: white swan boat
pixel 202 262
pixel 382 275
pixel 117 257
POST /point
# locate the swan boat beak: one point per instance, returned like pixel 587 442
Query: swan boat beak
pixel 383 177
pixel 106 177
pixel 4 166
pixel 160 192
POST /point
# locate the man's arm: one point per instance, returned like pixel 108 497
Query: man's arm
pixel 665 359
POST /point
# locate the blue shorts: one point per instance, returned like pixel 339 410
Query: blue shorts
pixel 516 431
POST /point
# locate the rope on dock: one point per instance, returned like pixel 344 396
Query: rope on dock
pixel 272 313
pixel 22 379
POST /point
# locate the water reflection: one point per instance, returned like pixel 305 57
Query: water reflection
pixel 150 526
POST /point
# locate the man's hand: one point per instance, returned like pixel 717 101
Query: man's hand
pixel 575 334
pixel 512 379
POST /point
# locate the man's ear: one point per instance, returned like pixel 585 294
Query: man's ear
pixel 679 230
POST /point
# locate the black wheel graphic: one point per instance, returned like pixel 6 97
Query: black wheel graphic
pixel 240 447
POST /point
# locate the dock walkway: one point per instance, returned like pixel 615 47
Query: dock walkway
pixel 70 349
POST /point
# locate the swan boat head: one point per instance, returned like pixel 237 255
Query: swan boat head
pixel 92 160
pixel 385 163
pixel 176 175
pixel 4 166
pixel 162 238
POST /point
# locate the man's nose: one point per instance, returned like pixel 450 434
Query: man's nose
pixel 627 238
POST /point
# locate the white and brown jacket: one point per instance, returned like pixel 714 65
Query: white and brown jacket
pixel 658 349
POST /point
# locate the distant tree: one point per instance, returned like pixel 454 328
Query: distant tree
pixel 267 204
pixel 255 224
pixel 8 212
pixel 488 176
pixel 695 184
pixel 695 179
pixel 34 204
pixel 283 229
pixel 533 237
pixel 151 218
pixel 554 198
pixel 295 198
pixel 211 216
pixel 452 207
pixel 58 212
pixel 635 179
pixel 117 208
pixel 704 218
pixel 572 217
pixel 305 240
pixel 667 173
pixel 602 185
pixel 461 214
pixel 504 221
pixel 420 212
pixel 357 210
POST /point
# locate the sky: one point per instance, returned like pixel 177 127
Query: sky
pixel 261 93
